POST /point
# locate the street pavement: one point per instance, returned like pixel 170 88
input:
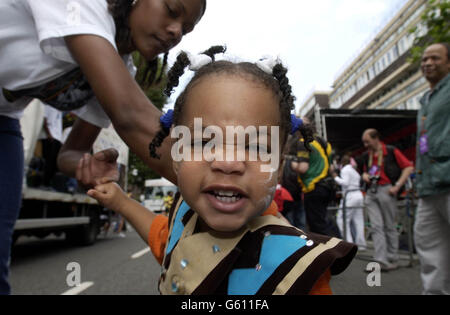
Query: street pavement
pixel 111 266
pixel 124 266
pixel 361 278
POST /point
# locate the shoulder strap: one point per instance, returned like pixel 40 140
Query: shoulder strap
pixel 176 225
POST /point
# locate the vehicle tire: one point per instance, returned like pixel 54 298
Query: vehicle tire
pixel 85 235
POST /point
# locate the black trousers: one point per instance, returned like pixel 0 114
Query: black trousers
pixel 317 216
pixel 50 150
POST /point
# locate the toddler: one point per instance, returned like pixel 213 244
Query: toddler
pixel 222 235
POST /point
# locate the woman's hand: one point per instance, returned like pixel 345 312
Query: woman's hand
pixel 93 170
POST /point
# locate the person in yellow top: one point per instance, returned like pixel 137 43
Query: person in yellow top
pixel 168 200
pixel 313 168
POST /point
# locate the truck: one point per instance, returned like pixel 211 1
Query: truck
pixel 65 209
pixel 343 128
pixel 154 193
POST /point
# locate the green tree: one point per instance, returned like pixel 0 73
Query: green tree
pixel 436 22
pixel 138 171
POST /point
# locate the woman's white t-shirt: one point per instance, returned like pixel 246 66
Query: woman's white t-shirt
pixel 349 179
pixel 54 121
pixel 33 51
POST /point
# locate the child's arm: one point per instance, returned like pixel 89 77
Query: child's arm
pixel 110 195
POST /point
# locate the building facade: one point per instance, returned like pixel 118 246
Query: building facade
pixel 316 99
pixel 381 76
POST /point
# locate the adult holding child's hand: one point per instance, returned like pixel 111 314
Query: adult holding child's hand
pixel 76 56
pixel 92 168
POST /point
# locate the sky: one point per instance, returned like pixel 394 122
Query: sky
pixel 314 39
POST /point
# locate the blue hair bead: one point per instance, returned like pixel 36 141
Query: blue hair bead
pixel 167 119
pixel 296 123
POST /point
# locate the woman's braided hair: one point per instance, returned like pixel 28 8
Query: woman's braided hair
pixel 120 11
pixel 277 82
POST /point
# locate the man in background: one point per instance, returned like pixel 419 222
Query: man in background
pixel 385 170
pixel 432 226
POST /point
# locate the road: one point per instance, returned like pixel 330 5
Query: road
pixel 124 266
pixel 355 280
pixel 40 266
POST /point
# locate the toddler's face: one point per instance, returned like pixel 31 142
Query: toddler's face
pixel 227 194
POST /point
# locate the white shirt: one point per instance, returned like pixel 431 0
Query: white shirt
pixel 33 51
pixel 349 179
pixel 65 134
pixel 54 121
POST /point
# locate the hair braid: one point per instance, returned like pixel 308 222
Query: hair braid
pixel 176 72
pixel 182 62
pixel 173 76
pixel 157 141
pixel 214 50
pixel 279 72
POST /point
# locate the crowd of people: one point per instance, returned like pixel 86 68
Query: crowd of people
pixel 224 227
pixel 381 173
pixel 382 169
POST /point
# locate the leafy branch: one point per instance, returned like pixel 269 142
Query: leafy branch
pixel 434 27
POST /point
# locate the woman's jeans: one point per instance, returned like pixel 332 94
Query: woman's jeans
pixel 11 176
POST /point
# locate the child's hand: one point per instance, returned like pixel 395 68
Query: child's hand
pixel 109 194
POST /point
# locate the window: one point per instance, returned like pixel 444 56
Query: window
pixel 395 52
pixel 402 46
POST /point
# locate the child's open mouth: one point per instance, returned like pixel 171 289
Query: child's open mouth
pixel 226 200
pixel 226 196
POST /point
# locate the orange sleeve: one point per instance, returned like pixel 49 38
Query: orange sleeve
pixel 157 237
pixel 322 286
pixel 272 210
